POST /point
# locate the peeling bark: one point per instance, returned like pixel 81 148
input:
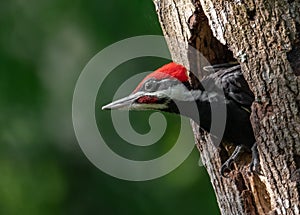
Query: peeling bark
pixel 264 36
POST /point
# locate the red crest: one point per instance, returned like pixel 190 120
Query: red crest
pixel 171 70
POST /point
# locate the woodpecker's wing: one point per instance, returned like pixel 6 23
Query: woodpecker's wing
pixel 233 84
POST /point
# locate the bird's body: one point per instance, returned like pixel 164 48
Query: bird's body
pixel 168 89
pixel 239 98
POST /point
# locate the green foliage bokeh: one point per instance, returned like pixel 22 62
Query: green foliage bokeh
pixel 44 46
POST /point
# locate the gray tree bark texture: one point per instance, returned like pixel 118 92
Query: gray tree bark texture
pixel 264 36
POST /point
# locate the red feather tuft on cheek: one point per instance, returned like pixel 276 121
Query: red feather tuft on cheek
pixel 147 100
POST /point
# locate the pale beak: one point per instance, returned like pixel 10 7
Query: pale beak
pixel 124 103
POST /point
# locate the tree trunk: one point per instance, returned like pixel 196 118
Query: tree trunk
pixel 264 36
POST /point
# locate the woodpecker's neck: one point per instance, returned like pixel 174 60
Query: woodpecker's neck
pixel 198 108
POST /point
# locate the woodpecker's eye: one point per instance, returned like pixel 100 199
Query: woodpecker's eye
pixel 151 85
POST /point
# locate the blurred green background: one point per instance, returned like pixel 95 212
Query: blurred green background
pixel 44 46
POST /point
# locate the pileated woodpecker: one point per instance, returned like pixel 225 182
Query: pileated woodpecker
pixel 168 87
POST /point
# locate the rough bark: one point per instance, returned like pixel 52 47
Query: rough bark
pixel 264 36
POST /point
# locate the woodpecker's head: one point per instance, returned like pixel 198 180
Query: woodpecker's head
pixel 157 91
